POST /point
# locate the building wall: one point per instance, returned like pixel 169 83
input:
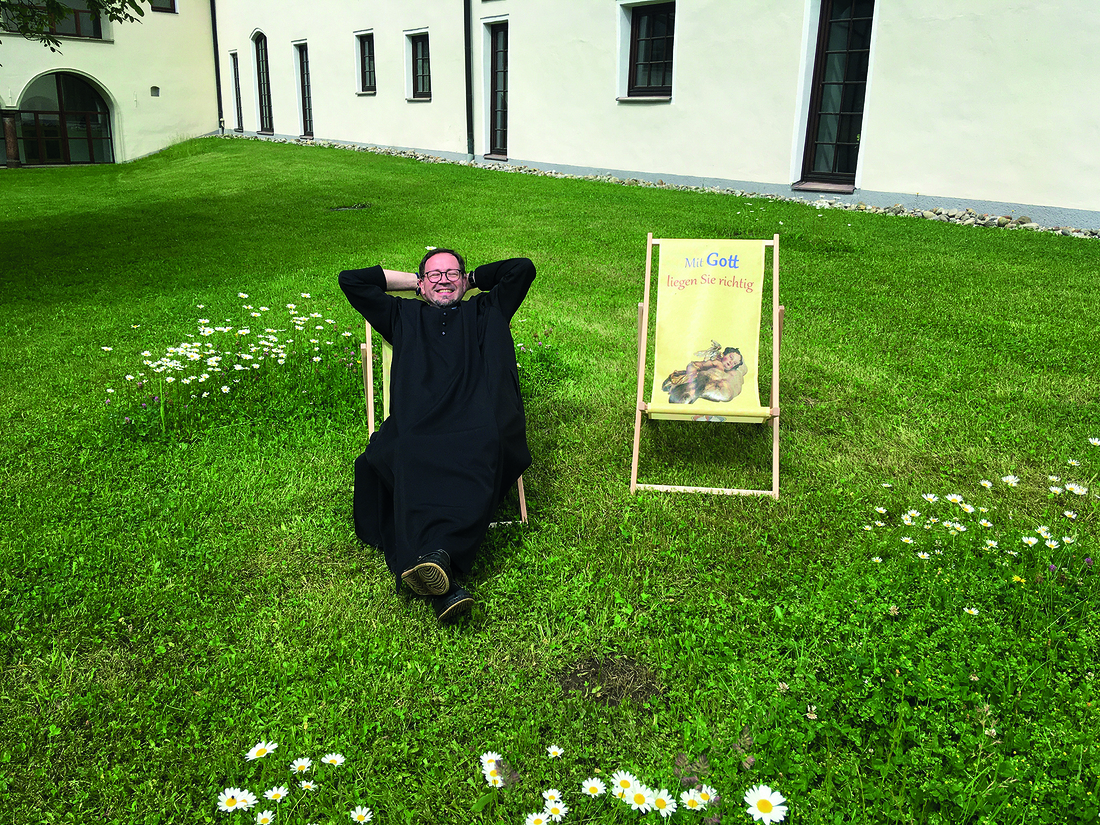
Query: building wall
pixel 985 100
pixel 171 51
pixel 386 117
pixel 973 103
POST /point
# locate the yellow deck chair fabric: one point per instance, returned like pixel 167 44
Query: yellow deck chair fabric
pixel 366 357
pixel 707 341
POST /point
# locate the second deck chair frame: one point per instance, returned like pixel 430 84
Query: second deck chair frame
pixel 641 408
pixel 366 357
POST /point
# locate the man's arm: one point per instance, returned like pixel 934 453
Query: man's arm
pixel 366 291
pixel 507 283
pixel 397 281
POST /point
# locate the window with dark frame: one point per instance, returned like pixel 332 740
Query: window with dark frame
pixel 263 85
pixel 651 35
pixel 367 82
pixel 421 68
pixel 303 87
pixel 64 120
pixel 237 90
pixel 162 5
pixel 838 93
pixel 80 22
pixel 498 90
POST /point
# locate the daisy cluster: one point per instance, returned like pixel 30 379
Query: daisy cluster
pixel 219 352
pixel 303 782
pixel 943 519
pixel 763 804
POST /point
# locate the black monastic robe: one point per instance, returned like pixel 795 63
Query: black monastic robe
pixel 456 439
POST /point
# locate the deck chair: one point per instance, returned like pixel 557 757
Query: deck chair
pixel 709 298
pixel 366 357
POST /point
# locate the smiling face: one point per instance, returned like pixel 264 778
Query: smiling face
pixel 447 292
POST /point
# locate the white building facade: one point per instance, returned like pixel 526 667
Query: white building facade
pixel 114 91
pixel 891 101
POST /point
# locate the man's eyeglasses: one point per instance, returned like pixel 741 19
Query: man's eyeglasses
pixel 436 275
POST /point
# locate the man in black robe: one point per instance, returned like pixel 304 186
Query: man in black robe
pixel 455 441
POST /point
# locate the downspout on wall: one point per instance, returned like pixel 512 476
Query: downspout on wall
pixel 468 37
pixel 217 64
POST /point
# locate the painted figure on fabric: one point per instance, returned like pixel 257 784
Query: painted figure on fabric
pixel 718 377
pixel 455 441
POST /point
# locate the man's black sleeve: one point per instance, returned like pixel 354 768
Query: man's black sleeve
pixel 506 282
pixel 366 291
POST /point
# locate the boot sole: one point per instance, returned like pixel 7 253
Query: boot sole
pixel 433 579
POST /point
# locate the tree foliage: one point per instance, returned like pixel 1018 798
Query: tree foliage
pixel 33 19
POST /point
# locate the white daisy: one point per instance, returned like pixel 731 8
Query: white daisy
pixel 538 818
pixel 709 794
pixel 931 498
pixel 973 611
pixel 593 786
pixel 488 758
pixel 985 523
pixel 361 814
pixel 640 798
pixel 307 785
pixel 906 539
pixel 985 482
pixel 1069 514
pixel 332 759
pixel 765 805
pixel 555 752
pixel 880 509
pixel 663 803
pixel 990 543
pixel 923 555
pixel 235 799
pixel 621 780
pixel 300 765
pixel 556 811
pixel 260 749
pixel 877 559
pixel 955 498
pixel 265 817
pixel 1056 490
pixel 1011 481
pixel 276 794
pixel 691 801
pixel 552 795
pixel 1095 442
pixel 1030 541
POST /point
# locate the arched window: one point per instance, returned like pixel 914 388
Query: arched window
pixel 62 118
pixel 263 84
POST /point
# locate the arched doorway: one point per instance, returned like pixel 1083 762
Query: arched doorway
pixel 62 118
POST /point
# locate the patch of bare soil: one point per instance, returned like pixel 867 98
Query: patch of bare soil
pixel 610 680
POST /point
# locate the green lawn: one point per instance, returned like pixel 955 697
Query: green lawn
pixel 180 580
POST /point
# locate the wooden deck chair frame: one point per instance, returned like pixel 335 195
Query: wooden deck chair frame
pixel 642 407
pixel 366 357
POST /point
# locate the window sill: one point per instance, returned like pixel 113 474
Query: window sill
pixel 269 133
pixel 822 186
pixel 418 100
pixel 370 93
pixel 496 157
pixel 72 38
pixel 645 99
